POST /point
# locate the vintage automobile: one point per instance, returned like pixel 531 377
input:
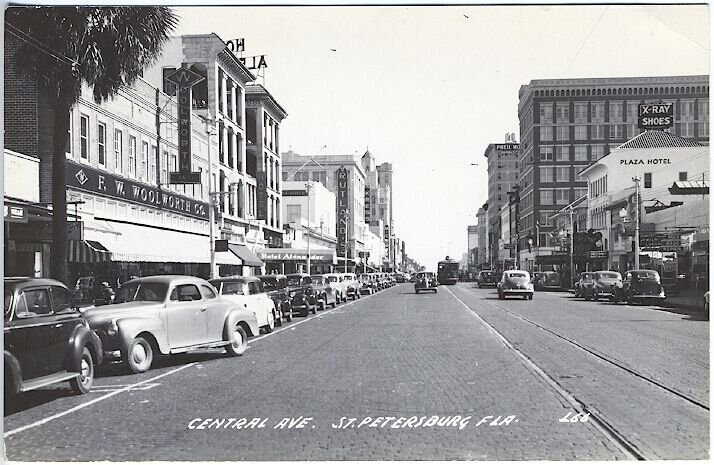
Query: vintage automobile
pixel 639 286
pixel 301 294
pixel 368 285
pixel 585 281
pixel 401 278
pixel 487 278
pixel 169 315
pixel 352 284
pixel 425 281
pixel 46 339
pixel 515 282
pixel 339 284
pixel 276 286
pixel 603 282
pixel 248 292
pixel 548 280
pixel 324 292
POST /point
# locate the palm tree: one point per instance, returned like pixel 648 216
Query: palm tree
pixel 63 47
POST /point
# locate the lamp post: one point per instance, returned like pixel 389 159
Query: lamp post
pixel 572 245
pixel 210 123
pixel 636 179
pixel 308 186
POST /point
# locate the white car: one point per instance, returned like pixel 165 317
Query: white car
pixel 248 292
pixel 337 282
pixel 352 284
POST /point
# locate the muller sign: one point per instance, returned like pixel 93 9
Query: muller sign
pixel 655 115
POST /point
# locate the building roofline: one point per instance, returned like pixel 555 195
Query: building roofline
pixel 263 94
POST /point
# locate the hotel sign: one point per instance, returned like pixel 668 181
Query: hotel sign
pixel 655 115
pixel 342 210
pixel 294 256
pixel 106 184
pixel 508 147
pixel 367 205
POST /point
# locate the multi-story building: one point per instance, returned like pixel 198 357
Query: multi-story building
pixel 503 173
pixel 567 124
pixel 472 246
pixel 482 224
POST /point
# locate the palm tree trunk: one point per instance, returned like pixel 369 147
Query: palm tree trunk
pixel 59 267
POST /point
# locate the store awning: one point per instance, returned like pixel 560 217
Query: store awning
pixel 689 188
pixel 247 257
pixel 87 252
pixel 227 258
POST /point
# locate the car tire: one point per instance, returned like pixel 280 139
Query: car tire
pixel 530 296
pixel 587 297
pixel 139 356
pixel 334 303
pixel 238 341
pixel 83 383
pixel 289 314
pixel 278 321
pixel 271 323
pixel 323 305
pixel 595 297
pixel 525 296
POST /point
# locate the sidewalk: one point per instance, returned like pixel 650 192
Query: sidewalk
pixel 686 298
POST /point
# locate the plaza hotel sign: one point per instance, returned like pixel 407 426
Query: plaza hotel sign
pixel 94 181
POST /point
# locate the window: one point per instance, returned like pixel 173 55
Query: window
pixel 682 175
pixel 546 153
pixel 632 130
pixel 703 109
pixel 703 129
pixel 686 129
pixel 61 298
pixel 562 173
pixel 562 196
pixel 632 111
pixel 617 131
pixel 563 132
pixel 207 292
pixel 185 293
pixel 598 151
pixel 687 109
pixel 615 112
pixel 544 218
pixel 84 136
pixel 581 112
pixel 562 153
pixel 546 113
pixel 580 191
pixel 597 111
pixel 144 159
pixel 648 180
pixel 294 213
pixel 102 143
pixel 118 150
pixel 546 133
pixel 152 163
pixel 546 174
pixel 581 132
pixel 132 155
pixel 33 302
pixel 597 132
pixel 581 153
pixel 164 167
pixel 68 145
pixel 169 87
pixel 255 287
pixel 546 197
pixel 562 112
pixel 320 176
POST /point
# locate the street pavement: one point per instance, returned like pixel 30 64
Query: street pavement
pixel 400 376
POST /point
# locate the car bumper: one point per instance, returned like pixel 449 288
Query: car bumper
pixel 516 291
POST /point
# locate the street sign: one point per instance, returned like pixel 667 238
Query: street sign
pixel 179 177
pixel 15 214
pixel 598 254
pixel 655 116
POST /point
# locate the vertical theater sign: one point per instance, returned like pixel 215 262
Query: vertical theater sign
pixel 342 211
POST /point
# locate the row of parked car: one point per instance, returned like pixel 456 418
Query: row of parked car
pixel 48 338
pixel 635 286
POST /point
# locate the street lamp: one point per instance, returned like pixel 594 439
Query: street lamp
pixel 308 186
pixel 572 244
pixel 210 126
pixel 636 180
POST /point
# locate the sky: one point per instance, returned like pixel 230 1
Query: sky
pixel 428 88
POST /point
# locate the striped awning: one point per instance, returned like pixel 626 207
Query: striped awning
pixel 87 252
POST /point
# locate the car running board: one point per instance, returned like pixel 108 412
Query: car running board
pixel 211 345
pixel 47 380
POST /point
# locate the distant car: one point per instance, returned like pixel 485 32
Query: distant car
pixel 352 285
pixel 324 292
pixel 169 315
pixel 584 286
pixel 487 278
pixel 367 284
pixel 548 280
pixel 603 282
pixel 46 339
pixel 276 286
pixel 401 278
pixel 515 282
pixel 425 281
pixel 639 286
pixel 302 295
pixel 248 292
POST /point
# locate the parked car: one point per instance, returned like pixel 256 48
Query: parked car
pixel 276 286
pixel 585 281
pixel 301 294
pixel 401 278
pixel 92 290
pixel 368 285
pixel 603 281
pixel 425 281
pixel 169 315
pixel 46 339
pixel 248 292
pixel 639 286
pixel 515 282
pixel 487 278
pixel 339 284
pixel 324 292
pixel 548 280
pixel 352 285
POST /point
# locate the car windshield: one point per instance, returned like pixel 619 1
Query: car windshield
pixel 607 275
pixel 646 274
pixel 269 284
pixel 142 291
pixel 231 288
pixel 332 279
pixel 317 279
pixel 516 275
pixel 293 280
pixel 587 276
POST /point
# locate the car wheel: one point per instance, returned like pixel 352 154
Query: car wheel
pixel 530 296
pixel 501 296
pixel 587 297
pixel 83 383
pixel 595 297
pixel 238 341
pixel 334 303
pixel 271 323
pixel 289 314
pixel 630 300
pixel 323 305
pixel 525 296
pixel 416 291
pixel 140 355
pixel 278 321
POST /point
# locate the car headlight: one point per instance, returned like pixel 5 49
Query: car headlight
pixel 529 286
pixel 112 329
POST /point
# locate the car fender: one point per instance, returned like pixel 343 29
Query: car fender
pixel 83 337
pixel 131 327
pixel 12 368
pixel 237 315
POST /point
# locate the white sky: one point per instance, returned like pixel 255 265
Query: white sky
pixel 428 88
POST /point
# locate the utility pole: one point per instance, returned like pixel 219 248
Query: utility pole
pixel 572 247
pixel 211 200
pixel 308 185
pixel 637 222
